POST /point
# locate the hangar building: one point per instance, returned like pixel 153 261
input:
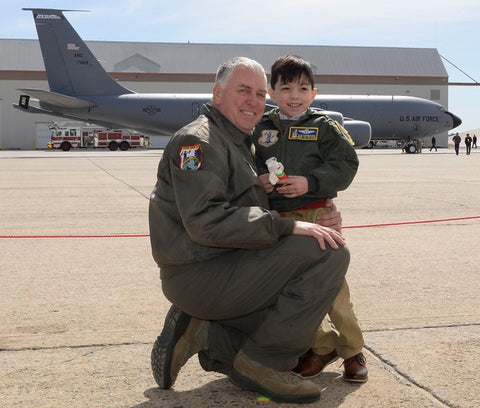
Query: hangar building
pixel 190 68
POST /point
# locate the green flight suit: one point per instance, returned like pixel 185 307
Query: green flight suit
pixel 224 257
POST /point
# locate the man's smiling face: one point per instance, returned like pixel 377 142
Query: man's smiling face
pixel 242 99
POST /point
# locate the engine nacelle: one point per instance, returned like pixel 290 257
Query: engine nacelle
pixel 359 131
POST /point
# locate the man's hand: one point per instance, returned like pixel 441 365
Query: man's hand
pixel 322 234
pixel 332 219
pixel 266 182
pixel 293 186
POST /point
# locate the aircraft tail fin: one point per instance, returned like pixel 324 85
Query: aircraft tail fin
pixel 71 67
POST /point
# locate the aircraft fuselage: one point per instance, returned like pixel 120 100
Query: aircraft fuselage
pixel 390 117
pixel 393 117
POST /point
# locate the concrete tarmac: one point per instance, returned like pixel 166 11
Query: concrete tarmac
pixel 81 301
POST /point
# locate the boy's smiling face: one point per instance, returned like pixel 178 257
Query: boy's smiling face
pixel 293 97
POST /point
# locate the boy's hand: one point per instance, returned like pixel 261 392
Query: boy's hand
pixel 322 234
pixel 266 183
pixel 333 219
pixel 293 186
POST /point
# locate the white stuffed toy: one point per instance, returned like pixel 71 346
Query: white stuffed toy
pixel 275 170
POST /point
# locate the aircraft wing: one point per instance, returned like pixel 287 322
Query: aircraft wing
pixel 58 100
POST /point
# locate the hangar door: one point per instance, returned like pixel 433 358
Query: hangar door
pixel 42 134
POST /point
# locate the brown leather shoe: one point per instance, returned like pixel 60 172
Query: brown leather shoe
pixel 356 369
pixel 312 364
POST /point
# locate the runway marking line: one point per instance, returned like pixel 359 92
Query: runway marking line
pixel 389 224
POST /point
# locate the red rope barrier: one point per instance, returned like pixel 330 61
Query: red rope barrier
pixel 389 224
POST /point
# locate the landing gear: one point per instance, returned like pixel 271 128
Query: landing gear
pixel 412 147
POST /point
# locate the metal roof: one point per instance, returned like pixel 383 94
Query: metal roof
pixel 25 55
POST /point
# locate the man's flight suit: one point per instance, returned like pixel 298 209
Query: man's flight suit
pixel 225 258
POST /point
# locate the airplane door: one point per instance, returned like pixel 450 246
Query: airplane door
pixel 195 109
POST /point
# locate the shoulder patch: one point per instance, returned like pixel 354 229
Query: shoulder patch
pixel 344 133
pixel 303 133
pixel 268 137
pixel 190 157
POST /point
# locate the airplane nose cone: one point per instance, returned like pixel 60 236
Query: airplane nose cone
pixel 456 120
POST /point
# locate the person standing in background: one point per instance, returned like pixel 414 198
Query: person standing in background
pixel 468 143
pixel 457 139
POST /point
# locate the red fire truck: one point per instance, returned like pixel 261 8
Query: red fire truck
pixel 69 137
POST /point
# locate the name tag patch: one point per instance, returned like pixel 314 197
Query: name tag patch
pixel 303 133
pixel 190 157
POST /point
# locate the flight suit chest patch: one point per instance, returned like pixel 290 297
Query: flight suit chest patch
pixel 268 137
pixel 303 133
pixel 190 157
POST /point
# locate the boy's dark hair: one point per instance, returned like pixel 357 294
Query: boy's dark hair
pixel 291 68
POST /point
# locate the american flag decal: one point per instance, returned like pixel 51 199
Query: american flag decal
pixel 72 47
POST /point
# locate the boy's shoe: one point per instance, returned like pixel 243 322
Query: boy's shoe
pixel 312 364
pixel 280 386
pixel 182 337
pixel 355 369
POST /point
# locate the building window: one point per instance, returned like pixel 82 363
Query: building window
pixel 435 94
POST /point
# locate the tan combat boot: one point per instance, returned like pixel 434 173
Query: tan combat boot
pixel 280 386
pixel 182 337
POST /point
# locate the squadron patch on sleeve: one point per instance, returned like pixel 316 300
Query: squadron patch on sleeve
pixel 268 137
pixel 344 133
pixel 190 157
pixel 303 133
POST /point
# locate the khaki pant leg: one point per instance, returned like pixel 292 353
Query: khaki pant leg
pixel 306 215
pixel 350 339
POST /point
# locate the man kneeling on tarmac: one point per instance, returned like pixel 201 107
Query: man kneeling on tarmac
pixel 248 287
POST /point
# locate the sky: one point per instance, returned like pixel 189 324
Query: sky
pixel 452 27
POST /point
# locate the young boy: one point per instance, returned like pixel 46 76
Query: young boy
pixel 319 161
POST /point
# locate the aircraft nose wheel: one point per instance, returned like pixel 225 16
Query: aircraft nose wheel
pixel 410 148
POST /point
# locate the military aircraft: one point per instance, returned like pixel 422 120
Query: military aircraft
pixel 81 89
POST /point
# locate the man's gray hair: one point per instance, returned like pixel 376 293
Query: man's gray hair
pixel 225 70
